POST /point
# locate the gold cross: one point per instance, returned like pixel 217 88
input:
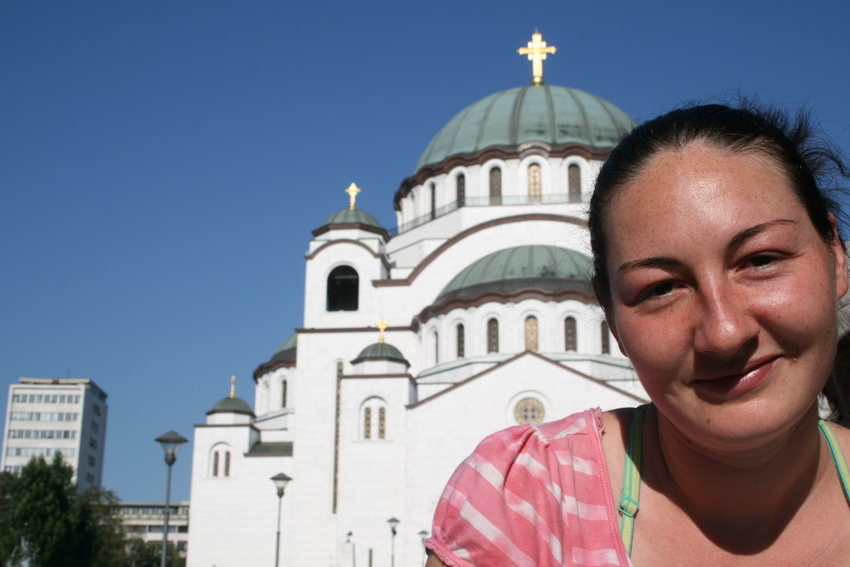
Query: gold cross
pixel 382 326
pixel 352 191
pixel 536 52
pixel 233 386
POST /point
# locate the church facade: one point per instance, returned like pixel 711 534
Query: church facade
pixel 474 315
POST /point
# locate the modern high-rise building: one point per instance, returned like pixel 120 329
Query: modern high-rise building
pixel 49 416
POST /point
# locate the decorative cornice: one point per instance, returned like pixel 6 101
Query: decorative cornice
pixel 470 231
pixel 493 152
pixel 349 330
pixel 273 365
pixel 597 381
pixel 311 255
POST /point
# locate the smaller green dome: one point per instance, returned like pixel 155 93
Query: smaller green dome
pixel 288 349
pixel 231 405
pixel 536 266
pixel 351 216
pixel 380 351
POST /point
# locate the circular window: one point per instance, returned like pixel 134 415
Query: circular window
pixel 529 410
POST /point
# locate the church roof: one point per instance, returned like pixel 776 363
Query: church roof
pixel 231 405
pixel 550 114
pixel 380 351
pixel 351 216
pixel 289 348
pixel 539 266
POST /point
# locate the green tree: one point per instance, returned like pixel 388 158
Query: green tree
pixel 44 522
pixel 141 554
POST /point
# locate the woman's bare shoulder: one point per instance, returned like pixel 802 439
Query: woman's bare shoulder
pixel 434 561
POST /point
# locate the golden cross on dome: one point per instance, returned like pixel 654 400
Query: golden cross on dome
pixel 352 191
pixel 233 386
pixel 382 326
pixel 537 51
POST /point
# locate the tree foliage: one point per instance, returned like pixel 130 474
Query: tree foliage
pixel 44 522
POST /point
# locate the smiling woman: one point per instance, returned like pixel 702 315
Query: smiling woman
pixel 719 264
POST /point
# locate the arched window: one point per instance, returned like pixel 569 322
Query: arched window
pixel 433 201
pixel 215 464
pixel 570 339
pixel 531 335
pixel 606 338
pixel 436 347
pixel 461 346
pixel 492 336
pixel 283 393
pixel 343 289
pixel 374 412
pixel 495 186
pixel 574 182
pixel 535 182
pixel 460 186
pixel 226 463
pixel 367 423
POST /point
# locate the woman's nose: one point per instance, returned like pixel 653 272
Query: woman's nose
pixel 725 323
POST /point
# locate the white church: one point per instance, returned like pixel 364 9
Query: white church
pixel 474 315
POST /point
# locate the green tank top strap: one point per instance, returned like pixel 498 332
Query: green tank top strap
pixel 630 496
pixel 837 457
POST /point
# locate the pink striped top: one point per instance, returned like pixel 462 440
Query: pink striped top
pixel 532 496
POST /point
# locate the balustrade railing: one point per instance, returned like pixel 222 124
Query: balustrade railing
pixel 558 198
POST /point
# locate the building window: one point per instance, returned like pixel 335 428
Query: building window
pixel 535 182
pixel 93 443
pixel 495 186
pixel 343 289
pixel 382 423
pixel 531 334
pixel 492 336
pixel 529 410
pixel 433 201
pixel 215 464
pixel 367 423
pixel 94 426
pixel 96 409
pixel 460 342
pixel 283 393
pixel 92 461
pixel 606 338
pixel 227 463
pixel 436 347
pixel 570 339
pixel 460 185
pixel 574 182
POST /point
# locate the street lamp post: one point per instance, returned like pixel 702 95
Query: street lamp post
pixel 423 535
pixel 393 522
pixel 280 481
pixel 171 443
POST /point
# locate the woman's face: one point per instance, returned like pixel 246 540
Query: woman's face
pixel 722 294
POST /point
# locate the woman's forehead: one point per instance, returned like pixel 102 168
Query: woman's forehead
pixel 688 192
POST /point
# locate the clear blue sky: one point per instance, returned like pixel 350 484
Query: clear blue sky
pixel 163 163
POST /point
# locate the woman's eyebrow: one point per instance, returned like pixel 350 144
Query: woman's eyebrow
pixel 748 233
pixel 737 240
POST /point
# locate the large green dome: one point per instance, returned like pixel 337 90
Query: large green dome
pixel 538 266
pixel 551 114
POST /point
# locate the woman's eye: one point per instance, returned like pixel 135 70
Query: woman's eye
pixel 761 261
pixel 661 289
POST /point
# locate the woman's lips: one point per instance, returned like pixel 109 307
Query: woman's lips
pixel 736 384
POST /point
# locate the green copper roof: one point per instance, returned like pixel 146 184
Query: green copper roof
pixel 380 351
pixel 351 216
pixel 288 349
pixel 551 114
pixel 545 267
pixel 231 405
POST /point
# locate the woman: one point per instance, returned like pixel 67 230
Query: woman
pixel 719 265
